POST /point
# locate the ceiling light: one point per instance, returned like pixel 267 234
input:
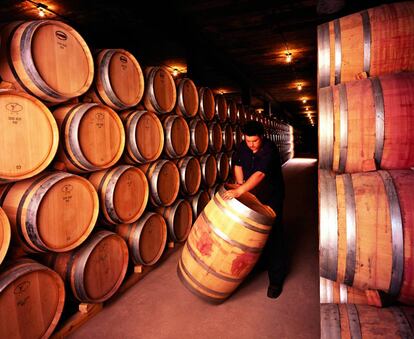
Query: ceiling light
pixel 288 57
pixel 41 8
pixel 304 101
pixel 299 87
pixel 307 108
pixel 175 72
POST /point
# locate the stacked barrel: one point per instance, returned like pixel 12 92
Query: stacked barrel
pixel 366 178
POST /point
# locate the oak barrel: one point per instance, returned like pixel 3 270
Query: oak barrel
pixel 208 164
pixel 160 93
pixel 337 293
pixel 123 193
pixel 177 136
pixel 146 238
pixel 32 297
pixel 45 58
pixel 4 234
pixel 366 230
pixel 164 181
pixel 198 202
pixel 215 137
pixel 221 107
pixel 29 137
pixel 213 190
pixel 223 166
pixel 367 124
pixel 118 81
pixel 92 137
pixel 190 175
pixel 237 135
pixel 206 106
pixel 241 114
pixel 144 136
pixel 179 219
pixel 187 98
pixel 361 321
pixel 53 211
pixel 198 136
pixel 228 141
pixel 232 111
pixel 224 244
pixel 95 270
pixel 373 42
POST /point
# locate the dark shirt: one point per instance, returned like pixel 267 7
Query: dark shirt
pixel 271 190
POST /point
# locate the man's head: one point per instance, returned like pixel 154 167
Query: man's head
pixel 253 135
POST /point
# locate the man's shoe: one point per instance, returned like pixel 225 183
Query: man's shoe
pixel 273 291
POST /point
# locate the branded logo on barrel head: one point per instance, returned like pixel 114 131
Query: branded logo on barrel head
pixel 22 287
pixel 67 189
pixel 14 107
pixel 99 116
pixel 123 59
pixel 61 35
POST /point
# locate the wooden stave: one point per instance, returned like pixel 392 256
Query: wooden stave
pixel 26 77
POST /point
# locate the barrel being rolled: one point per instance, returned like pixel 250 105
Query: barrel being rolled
pixel 45 58
pixel 198 136
pixel 146 238
pixel 29 137
pixel 224 244
pixel 206 106
pixel 190 175
pixel 361 321
pixel 177 136
pixel 160 92
pixel 367 124
pixel 144 136
pixel 164 181
pixel 123 193
pixel 54 211
pixel 366 230
pixel 179 219
pixel 32 297
pixel 118 82
pixel 337 293
pixel 373 42
pixel 187 98
pixel 95 270
pixel 92 137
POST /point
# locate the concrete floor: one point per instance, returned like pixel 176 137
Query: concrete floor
pixel 159 306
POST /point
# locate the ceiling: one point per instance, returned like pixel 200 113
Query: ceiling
pixel 236 47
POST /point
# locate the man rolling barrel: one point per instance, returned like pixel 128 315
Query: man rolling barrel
pixel 257 170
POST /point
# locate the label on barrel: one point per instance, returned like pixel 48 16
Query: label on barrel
pixel 62 37
pixel 99 120
pixel 21 291
pixel 124 62
pixel 67 192
pixel 14 110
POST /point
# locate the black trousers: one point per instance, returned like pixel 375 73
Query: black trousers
pixel 273 257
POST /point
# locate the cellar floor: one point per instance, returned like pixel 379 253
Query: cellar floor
pixel 159 306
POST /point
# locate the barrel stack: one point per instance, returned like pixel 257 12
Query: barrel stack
pixel 366 178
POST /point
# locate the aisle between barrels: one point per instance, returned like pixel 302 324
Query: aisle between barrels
pixel 159 306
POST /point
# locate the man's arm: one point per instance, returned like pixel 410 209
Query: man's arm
pixel 254 180
pixel 238 174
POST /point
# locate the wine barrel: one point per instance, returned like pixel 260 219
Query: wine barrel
pixel 208 164
pixel 366 230
pixel 92 137
pixel 187 98
pixel 230 155
pixel 177 136
pixel 227 137
pixel 223 166
pixel 361 321
pixel 179 218
pixel 160 93
pixel 144 136
pixel 231 111
pixel 367 124
pixel 241 114
pixel 221 107
pixel 118 82
pixel 215 137
pixel 190 175
pixel 4 235
pixel 237 135
pixel 198 136
pixel 164 181
pixel 95 270
pixel 373 42
pixel 29 138
pixel 224 244
pixel 123 193
pixel 32 297
pixel 198 202
pixel 336 293
pixel 54 211
pixel 45 58
pixel 146 238
pixel 206 108
pixel 213 190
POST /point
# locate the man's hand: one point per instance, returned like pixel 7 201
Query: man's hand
pixel 230 194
